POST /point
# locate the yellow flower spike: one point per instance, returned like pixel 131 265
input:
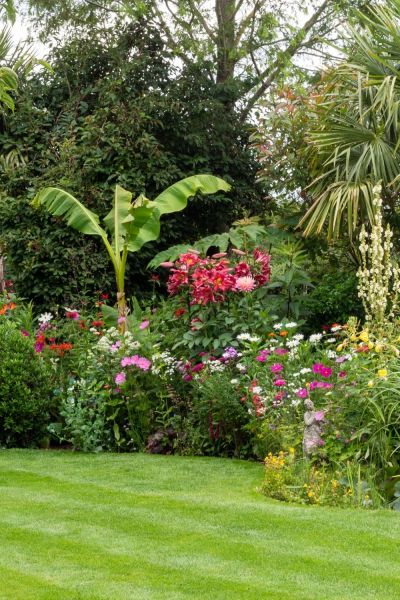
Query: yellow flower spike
pixel 364 336
pixel 370 345
pixel 339 348
pixel 382 373
pixel 353 338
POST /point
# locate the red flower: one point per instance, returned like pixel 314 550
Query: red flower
pixel 98 323
pixel 179 312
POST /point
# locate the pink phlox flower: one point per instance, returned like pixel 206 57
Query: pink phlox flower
pixel 121 320
pixel 316 368
pixel 281 351
pixel 276 368
pixel 342 374
pixel 320 385
pixel 319 415
pixel 120 378
pixel 144 324
pixel 302 393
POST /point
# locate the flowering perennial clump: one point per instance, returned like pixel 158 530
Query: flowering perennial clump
pixel 378 276
pixel 208 280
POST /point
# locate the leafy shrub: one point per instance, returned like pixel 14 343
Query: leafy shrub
pixel 25 396
pixel 334 299
pixel 297 480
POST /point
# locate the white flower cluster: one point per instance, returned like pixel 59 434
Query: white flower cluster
pixel 45 318
pixel 378 275
pixel 247 337
pixel 315 338
pixel 289 325
pixel 112 340
pixel 215 366
pixel 163 363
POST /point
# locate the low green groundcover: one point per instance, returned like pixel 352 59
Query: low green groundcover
pixel 143 527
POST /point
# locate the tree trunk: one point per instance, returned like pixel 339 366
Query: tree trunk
pixel 226 59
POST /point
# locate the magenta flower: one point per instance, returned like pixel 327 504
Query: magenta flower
pixel 281 351
pixel 279 382
pixel 144 324
pixel 262 357
pixel 276 368
pixel 319 415
pixel 198 367
pixel 120 378
pixel 302 393
pixel 187 378
pixel 342 374
pixel 325 372
pixel 316 368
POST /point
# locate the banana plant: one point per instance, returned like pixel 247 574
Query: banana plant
pixel 130 223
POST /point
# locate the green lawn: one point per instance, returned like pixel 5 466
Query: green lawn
pixel 144 527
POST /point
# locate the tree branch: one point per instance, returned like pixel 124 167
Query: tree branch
pixel 269 74
pixel 249 18
pixel 202 20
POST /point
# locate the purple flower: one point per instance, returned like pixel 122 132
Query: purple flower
pixel 229 353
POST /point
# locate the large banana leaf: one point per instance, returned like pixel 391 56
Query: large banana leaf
pixel 175 198
pixel 144 220
pixel 115 219
pixel 63 204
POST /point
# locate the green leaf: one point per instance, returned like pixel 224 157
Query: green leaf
pixel 115 219
pixel 144 219
pixel 175 197
pixel 63 204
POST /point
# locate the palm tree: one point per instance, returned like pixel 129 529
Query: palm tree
pixel 355 142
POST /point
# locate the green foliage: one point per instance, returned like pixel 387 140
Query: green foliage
pixel 25 390
pixel 132 224
pixel 334 299
pixel 355 136
pixel 113 111
pixel 219 418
